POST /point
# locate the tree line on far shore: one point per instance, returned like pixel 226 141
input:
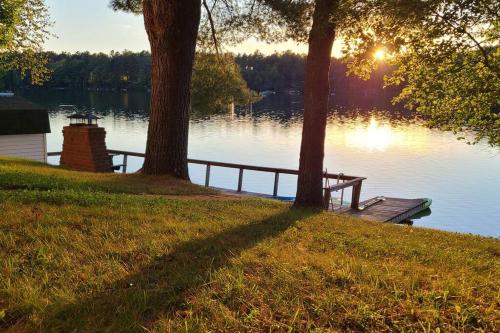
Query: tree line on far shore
pixel 217 81
pixel 127 70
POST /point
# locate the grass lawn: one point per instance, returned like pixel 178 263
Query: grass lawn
pixel 86 252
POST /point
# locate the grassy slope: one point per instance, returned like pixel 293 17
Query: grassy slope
pixel 77 254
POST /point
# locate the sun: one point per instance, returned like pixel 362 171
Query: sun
pixel 379 54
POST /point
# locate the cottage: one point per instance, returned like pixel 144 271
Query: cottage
pixel 23 128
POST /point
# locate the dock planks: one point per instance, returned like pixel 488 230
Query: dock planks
pixel 394 210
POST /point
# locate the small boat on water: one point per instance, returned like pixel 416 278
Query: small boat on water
pixel 267 93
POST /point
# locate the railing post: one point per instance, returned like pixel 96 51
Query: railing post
pixel 276 181
pixel 342 191
pixel 240 180
pixel 356 192
pixel 207 176
pixel 327 198
pixel 124 167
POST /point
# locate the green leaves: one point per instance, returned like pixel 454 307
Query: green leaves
pixel 23 31
pixel 456 92
pixel 216 83
pixel 133 6
pixel 446 54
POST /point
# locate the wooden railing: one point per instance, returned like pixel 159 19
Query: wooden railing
pixel 356 191
pixel 347 181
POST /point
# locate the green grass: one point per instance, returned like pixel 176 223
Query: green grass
pixel 16 174
pixel 84 252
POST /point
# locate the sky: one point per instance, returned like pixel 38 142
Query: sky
pixel 90 25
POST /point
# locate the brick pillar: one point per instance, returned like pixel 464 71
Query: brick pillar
pixel 84 149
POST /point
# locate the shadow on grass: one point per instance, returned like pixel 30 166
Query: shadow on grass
pixel 161 288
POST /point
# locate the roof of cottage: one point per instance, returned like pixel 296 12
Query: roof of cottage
pixel 19 116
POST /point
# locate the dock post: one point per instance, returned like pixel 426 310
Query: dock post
pixel 207 176
pixel 124 166
pixel 356 193
pixel 276 181
pixel 240 180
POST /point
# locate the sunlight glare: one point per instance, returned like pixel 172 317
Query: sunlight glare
pixel 373 137
pixel 379 55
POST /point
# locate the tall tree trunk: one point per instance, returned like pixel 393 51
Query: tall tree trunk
pixel 316 93
pixel 172 28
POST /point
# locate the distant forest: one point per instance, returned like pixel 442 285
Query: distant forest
pixel 283 72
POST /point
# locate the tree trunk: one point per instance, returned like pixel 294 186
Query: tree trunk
pixel 172 28
pixel 316 94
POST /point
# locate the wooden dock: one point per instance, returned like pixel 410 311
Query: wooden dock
pixel 393 210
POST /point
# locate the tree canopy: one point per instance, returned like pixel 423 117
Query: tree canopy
pixel 216 84
pixel 446 51
pixel 447 57
pixel 23 31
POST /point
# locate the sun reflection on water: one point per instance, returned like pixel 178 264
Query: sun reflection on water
pixel 381 136
pixel 375 136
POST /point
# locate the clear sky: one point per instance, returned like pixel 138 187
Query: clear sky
pixel 90 25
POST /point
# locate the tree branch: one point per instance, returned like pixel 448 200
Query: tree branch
pixel 212 28
pixel 481 49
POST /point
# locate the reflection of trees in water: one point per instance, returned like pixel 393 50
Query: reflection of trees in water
pixel 285 108
pixel 129 105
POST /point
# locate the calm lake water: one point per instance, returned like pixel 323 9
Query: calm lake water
pixel 398 155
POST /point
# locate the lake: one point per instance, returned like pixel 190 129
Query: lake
pixel 399 156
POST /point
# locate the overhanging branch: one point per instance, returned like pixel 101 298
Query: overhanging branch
pixel 212 29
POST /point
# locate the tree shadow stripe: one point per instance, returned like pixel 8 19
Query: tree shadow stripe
pixel 162 287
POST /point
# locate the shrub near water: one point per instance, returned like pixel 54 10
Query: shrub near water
pixel 82 258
